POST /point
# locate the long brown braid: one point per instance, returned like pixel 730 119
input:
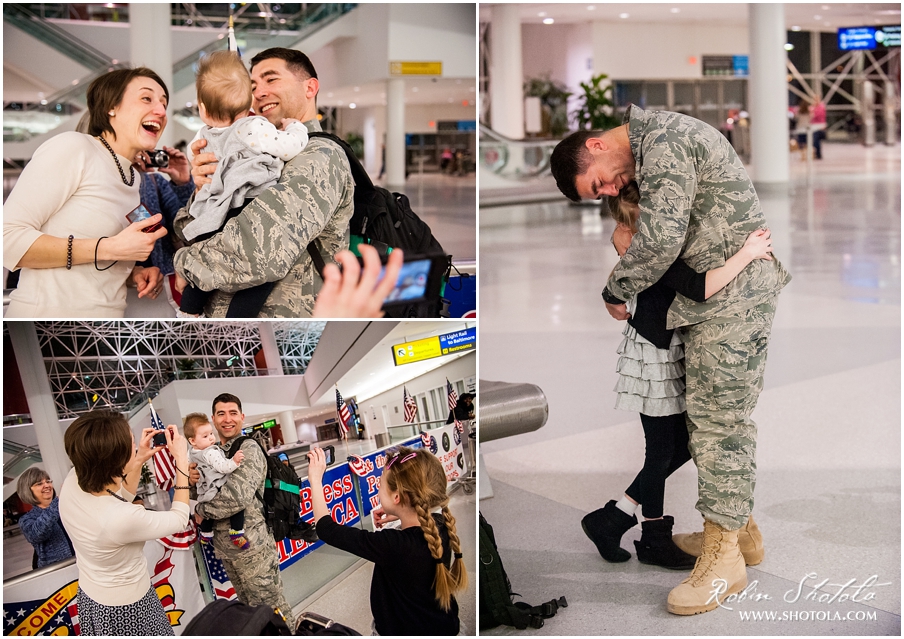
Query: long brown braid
pixel 421 484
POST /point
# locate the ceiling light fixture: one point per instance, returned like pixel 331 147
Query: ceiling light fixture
pixel 624 16
pixel 675 10
pixel 542 14
pixel 548 20
pixel 591 8
pixel 352 105
pixel 795 28
pixel 789 46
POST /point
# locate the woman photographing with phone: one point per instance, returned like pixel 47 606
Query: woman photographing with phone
pixel 108 531
pixel 65 223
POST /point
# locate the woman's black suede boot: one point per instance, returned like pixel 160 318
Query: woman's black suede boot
pixel 605 528
pixel 657 548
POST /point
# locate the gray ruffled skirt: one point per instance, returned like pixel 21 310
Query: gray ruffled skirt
pixel 651 380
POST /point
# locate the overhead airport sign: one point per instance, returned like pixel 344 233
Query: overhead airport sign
pixel 436 346
pixel 868 38
pixel 415 68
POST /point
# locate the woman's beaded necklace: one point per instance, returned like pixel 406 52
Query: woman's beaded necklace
pixel 122 173
pixel 115 495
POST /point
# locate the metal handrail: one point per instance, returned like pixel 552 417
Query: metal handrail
pixel 33 574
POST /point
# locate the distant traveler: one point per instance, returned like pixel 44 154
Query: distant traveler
pixel 65 225
pixel 115 595
pixel 697 203
pixel 418 568
pixel 41 526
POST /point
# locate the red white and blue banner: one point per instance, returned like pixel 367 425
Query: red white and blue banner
pixel 47 604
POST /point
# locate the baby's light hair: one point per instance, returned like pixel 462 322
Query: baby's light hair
pixel 223 85
pixel 191 423
pixel 418 477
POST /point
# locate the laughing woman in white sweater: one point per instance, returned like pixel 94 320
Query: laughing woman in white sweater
pixel 108 532
pixel 65 225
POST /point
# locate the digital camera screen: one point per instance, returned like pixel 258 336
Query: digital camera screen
pixel 412 282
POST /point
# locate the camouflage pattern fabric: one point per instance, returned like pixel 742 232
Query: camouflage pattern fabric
pixel 725 359
pixel 697 203
pixel 267 242
pixel 254 572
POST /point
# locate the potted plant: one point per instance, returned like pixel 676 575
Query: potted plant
pixel 553 100
pixel 597 110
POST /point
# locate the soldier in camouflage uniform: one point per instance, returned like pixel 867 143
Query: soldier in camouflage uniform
pixel 254 572
pixel 697 203
pixel 313 200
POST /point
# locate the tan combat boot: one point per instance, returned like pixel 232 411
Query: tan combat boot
pixel 750 540
pixel 719 568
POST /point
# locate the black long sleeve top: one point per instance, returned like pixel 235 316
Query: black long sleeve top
pixel 649 319
pixel 402 598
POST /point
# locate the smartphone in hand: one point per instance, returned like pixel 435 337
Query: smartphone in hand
pixel 140 213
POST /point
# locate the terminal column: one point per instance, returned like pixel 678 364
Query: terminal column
pixel 506 72
pixel 287 426
pixel 395 134
pixel 768 95
pixel 39 396
pixel 271 350
pixel 150 39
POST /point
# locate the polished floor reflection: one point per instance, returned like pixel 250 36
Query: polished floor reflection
pixel 828 495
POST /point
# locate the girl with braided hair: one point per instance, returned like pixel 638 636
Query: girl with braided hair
pixel 419 566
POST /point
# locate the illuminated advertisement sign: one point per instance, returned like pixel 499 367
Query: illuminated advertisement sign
pixel 436 346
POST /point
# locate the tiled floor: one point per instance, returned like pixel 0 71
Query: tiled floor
pixel 828 481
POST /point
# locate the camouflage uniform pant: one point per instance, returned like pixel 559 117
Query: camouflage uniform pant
pixel 725 360
pixel 253 572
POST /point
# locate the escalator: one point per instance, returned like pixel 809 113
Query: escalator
pixel 515 171
pixel 25 121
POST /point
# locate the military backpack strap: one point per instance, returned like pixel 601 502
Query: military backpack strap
pixel 236 446
pixel 317 258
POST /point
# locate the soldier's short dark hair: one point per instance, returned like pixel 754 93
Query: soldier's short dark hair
pixel 296 61
pixel 105 93
pixel 99 444
pixel 225 398
pixel 570 159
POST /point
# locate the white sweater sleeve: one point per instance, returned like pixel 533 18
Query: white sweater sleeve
pixel 263 137
pixel 45 185
pixel 138 524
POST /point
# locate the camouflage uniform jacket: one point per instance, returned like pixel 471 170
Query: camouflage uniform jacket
pixel 697 203
pixel 267 241
pixel 244 490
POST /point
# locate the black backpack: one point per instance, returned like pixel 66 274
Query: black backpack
pixel 282 500
pixel 385 220
pixel 497 606
pixel 226 618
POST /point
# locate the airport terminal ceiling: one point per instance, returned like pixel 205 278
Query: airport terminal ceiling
pixel 121 364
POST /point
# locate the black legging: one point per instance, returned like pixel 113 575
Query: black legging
pixel 667 451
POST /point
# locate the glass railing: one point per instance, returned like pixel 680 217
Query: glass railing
pixel 514 159
pixel 33 23
pixel 402 432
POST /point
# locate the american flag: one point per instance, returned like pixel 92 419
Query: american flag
pixel 453 402
pixel 410 406
pixel 222 587
pixel 72 609
pixel 164 464
pixel 344 415
pixel 453 396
